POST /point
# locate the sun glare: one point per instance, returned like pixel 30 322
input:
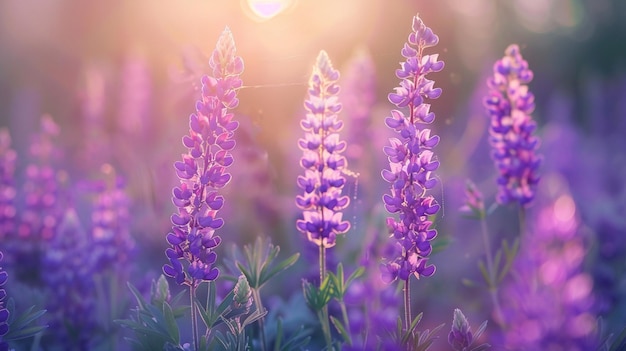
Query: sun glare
pixel 263 10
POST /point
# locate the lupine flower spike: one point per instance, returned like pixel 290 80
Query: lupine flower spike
pixel 322 160
pixel 41 215
pixel 412 162
pixel 202 170
pixel 509 105
pixel 8 158
pixel 321 202
pixel 411 159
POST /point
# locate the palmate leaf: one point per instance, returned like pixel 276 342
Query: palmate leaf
pixel 153 324
pixel 339 287
pixel 259 266
pixel 212 316
pixel 316 297
pixel 412 339
pixel 20 325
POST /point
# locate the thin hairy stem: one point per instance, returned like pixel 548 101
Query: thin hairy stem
pixel 407 304
pixel 493 285
pixel 324 312
pixel 194 320
pixel 259 307
pixel 522 223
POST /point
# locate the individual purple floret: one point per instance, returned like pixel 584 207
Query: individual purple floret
pixel 4 313
pixel 202 170
pixel 411 160
pixel 8 157
pixel 322 160
pixel 511 132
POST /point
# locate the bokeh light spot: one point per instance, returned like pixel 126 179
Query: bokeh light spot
pixel 564 208
pixel 267 9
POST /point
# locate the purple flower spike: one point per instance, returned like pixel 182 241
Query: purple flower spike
pixel 8 158
pixel 41 213
pixel 4 313
pixel 509 105
pixel 202 170
pixel 322 161
pixel 411 160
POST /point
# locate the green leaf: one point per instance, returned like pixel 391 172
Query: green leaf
pixel 315 297
pixel 342 331
pixel 485 273
pixel 355 275
pixel 618 342
pixel 20 327
pixel 26 318
pixel 213 316
pixel 283 265
pixel 279 334
pixel 409 333
pixel 170 322
pixel 140 300
pixel 492 208
pixel 481 347
pixel 24 333
pixel 480 330
pixel 509 253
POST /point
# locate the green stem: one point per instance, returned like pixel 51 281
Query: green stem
pixel 346 321
pixel 492 284
pixel 259 307
pixel 522 223
pixel 324 313
pixel 407 304
pixel 194 321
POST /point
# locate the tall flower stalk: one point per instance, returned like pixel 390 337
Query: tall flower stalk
pixel 514 146
pixel 411 164
pixel 323 164
pixel 202 172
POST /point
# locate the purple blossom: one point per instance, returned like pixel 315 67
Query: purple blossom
pixel 202 170
pixel 111 239
pixel 549 304
pixel 322 161
pixel 40 215
pixel 68 277
pixel 8 157
pixel 509 105
pixel 4 313
pixel 474 202
pixel 372 304
pixel 411 160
